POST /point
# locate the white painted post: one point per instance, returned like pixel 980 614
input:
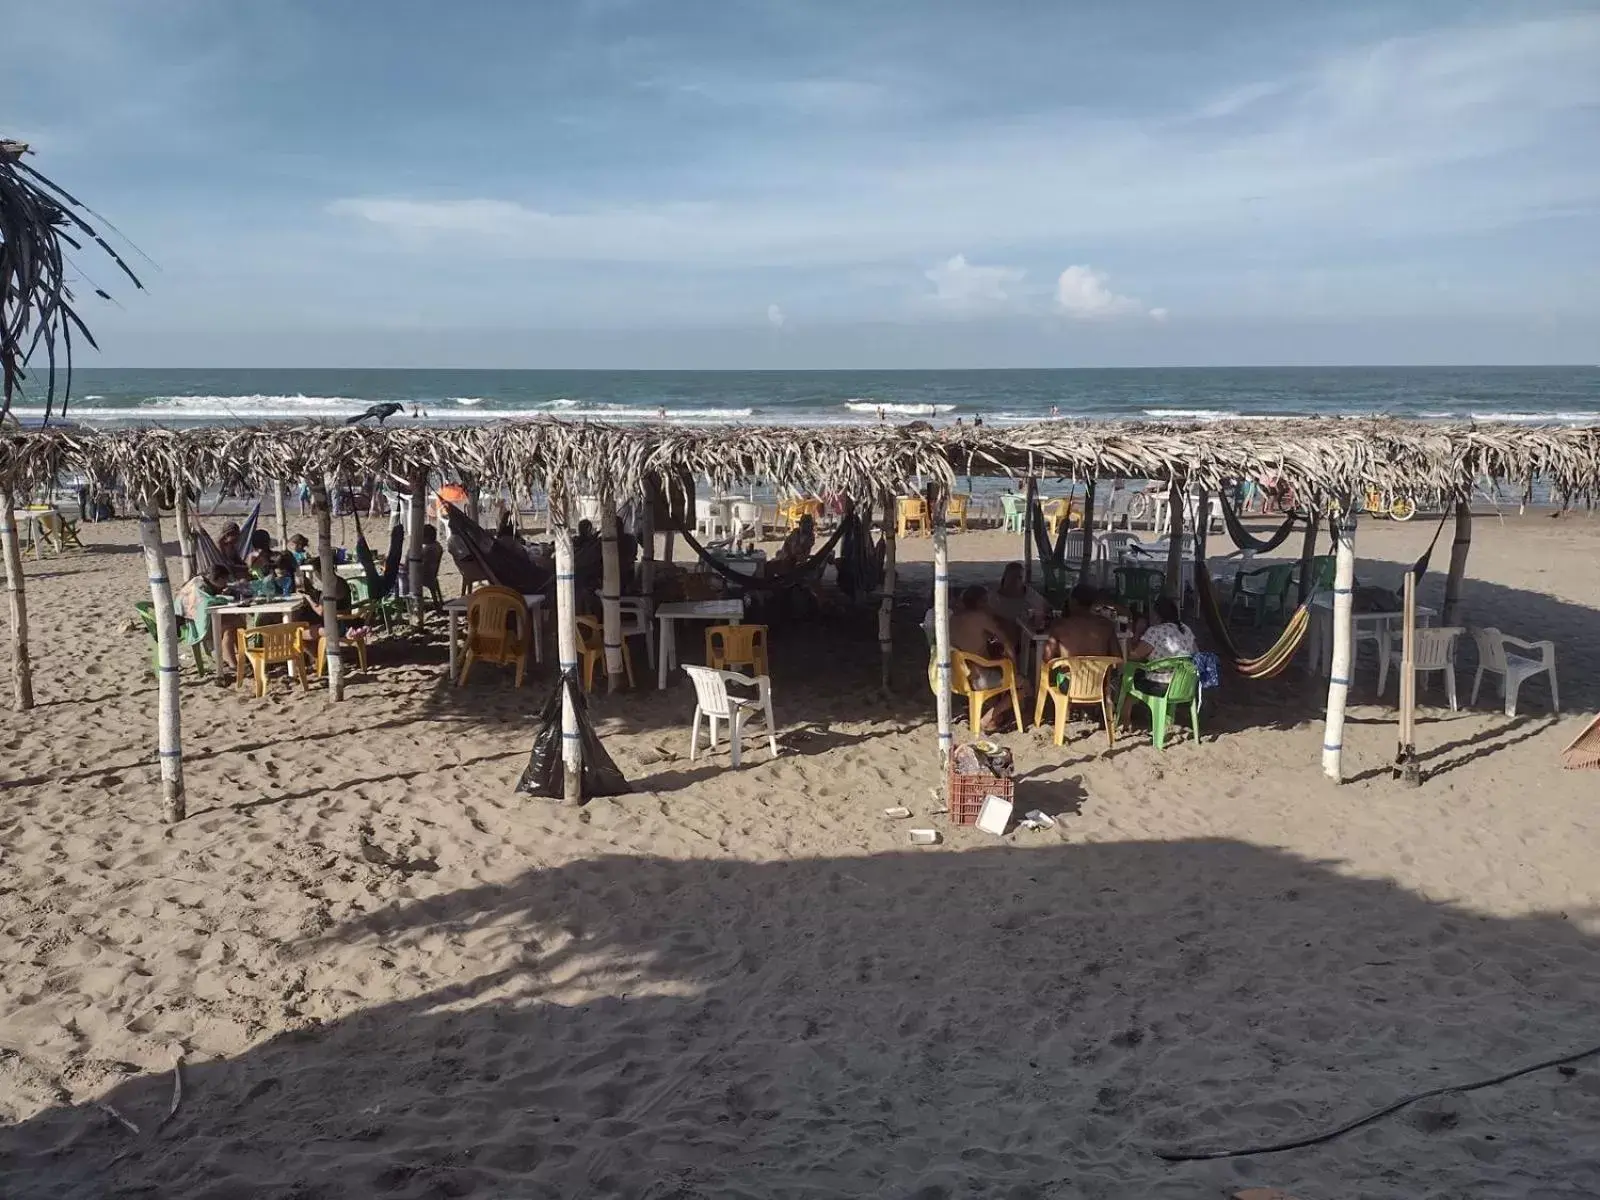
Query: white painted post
pixel 334 661
pixel 180 514
pixel 416 518
pixel 170 726
pixel 281 514
pixel 566 647
pixel 611 595
pixel 1344 582
pixel 941 628
pixel 886 604
pixel 21 665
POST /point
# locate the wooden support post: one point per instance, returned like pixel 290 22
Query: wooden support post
pixel 170 726
pixel 21 666
pixel 326 571
pixel 1451 609
pixel 1344 582
pixel 1308 552
pixel 1172 587
pixel 941 628
pixel 1202 536
pixel 1405 759
pixel 1086 560
pixel 185 523
pixel 281 514
pixel 566 647
pixel 417 517
pixel 886 604
pixel 1030 497
pixel 611 595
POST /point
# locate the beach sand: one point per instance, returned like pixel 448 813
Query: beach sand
pixel 390 975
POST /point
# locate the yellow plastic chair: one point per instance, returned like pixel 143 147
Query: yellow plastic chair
pixel 356 639
pixel 732 646
pixel 267 645
pixel 792 510
pixel 1086 685
pixel 955 512
pixel 498 630
pixel 911 510
pixel 56 528
pixel 1055 513
pixel 592 651
pixel 962 665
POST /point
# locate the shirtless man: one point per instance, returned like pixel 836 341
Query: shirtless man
pixel 976 630
pixel 1082 631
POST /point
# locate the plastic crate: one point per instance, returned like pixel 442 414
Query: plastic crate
pixel 967 793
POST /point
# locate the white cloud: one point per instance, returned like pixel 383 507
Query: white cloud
pixel 1084 294
pixel 959 284
pixel 775 316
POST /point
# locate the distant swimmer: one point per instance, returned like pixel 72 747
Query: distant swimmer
pixel 379 413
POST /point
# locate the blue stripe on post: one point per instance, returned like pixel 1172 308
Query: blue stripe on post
pixel 574 737
pixel 569 576
pixel 168 670
pixel 1339 591
pixel 1333 745
pixel 568 666
pixel 161 579
pixel 169 753
pixel 1336 679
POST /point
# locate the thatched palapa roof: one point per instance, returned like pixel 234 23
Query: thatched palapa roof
pixel 1321 458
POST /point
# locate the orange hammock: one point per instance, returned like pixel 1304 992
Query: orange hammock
pixel 1276 658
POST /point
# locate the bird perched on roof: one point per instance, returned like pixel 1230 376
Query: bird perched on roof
pixel 379 412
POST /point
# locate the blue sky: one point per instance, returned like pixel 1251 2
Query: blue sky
pixel 868 183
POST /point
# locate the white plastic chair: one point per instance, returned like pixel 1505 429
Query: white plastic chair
pixel 1435 651
pixel 638 620
pixel 747 519
pixel 710 517
pixel 1514 669
pixel 713 702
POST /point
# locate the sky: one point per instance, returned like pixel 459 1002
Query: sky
pixel 865 183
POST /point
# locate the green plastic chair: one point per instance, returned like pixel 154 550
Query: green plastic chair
pixel 1139 585
pixel 189 634
pixel 1011 506
pixel 1182 688
pixel 1262 589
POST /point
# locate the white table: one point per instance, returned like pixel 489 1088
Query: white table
pixel 27 522
pixel 1031 644
pixel 724 612
pixel 743 564
pixel 456 611
pixel 1375 627
pixel 281 609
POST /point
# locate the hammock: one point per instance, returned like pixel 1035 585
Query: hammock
pixel 772 583
pixel 1246 540
pixel 378 586
pixel 860 561
pixel 504 568
pixel 1277 656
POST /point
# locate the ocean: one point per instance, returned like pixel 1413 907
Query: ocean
pixel 105 396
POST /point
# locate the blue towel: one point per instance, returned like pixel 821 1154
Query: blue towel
pixel 1209 668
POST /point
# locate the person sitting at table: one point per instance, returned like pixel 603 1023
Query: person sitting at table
pixel 974 629
pixel 261 559
pixel 1082 630
pixel 300 547
pixel 228 548
pixel 1015 601
pixel 314 611
pixel 432 559
pixel 198 596
pixel 796 548
pixel 285 569
pixel 1169 637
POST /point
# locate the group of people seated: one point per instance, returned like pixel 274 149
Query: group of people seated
pixel 989 624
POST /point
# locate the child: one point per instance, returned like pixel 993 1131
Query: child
pixel 285 570
pixel 300 547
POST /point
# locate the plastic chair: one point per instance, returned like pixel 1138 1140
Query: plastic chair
pixel 268 645
pixel 57 528
pixel 638 620
pixel 592 651
pixel 1012 510
pixel 730 646
pixel 355 638
pixel 1056 513
pixel 1435 650
pixel 498 630
pixel 747 519
pixel 1182 688
pixel 1086 684
pixel 1139 585
pixel 189 634
pixel 1514 669
pixel 962 665
pixel 710 517
pixel 713 702
pixel 1263 588
pixel 1113 547
pixel 909 511
pixel 956 509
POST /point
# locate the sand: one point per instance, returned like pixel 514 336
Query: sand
pixel 746 983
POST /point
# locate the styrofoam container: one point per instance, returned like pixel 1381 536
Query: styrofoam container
pixel 995 815
pixel 899 812
pixel 924 837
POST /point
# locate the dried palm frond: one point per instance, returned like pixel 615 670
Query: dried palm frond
pixel 37 218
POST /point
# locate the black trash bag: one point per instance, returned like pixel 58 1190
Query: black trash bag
pixel 543 776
